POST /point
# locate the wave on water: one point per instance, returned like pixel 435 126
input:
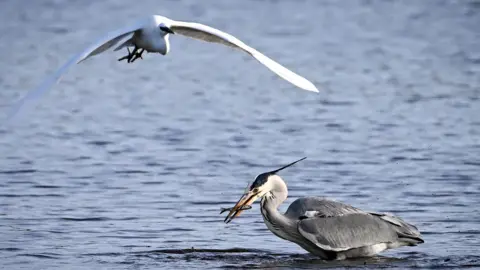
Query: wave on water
pixel 257 258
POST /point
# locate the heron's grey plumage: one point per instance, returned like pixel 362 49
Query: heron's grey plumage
pixel 340 233
pixel 332 212
pixel 338 230
pixel 323 207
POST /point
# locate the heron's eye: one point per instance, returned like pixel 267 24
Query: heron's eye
pixel 255 190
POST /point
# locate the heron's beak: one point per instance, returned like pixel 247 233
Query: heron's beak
pixel 243 204
pixel 166 29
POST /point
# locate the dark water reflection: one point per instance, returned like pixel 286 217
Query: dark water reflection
pixel 126 166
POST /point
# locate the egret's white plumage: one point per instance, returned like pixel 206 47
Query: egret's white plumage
pixel 152 35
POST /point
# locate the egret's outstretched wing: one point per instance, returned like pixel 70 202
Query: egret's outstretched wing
pixel 210 34
pixel 101 45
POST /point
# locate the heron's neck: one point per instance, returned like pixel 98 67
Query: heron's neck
pixel 278 223
pixel 277 195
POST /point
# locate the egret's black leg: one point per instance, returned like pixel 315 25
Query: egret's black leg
pixel 130 55
pixel 137 55
pixel 126 56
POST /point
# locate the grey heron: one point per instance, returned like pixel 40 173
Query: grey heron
pixel 325 228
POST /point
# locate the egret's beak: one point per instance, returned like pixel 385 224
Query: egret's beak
pixel 243 204
pixel 166 29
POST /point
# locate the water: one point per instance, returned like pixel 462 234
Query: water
pixel 126 166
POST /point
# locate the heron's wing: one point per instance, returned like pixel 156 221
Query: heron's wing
pixel 101 45
pixel 319 207
pixel 346 232
pixel 405 231
pixel 210 34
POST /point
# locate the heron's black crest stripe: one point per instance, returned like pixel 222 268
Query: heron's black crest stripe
pixel 262 178
pixel 286 166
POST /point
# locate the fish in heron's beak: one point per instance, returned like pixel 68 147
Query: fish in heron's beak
pixel 243 204
pixel 259 188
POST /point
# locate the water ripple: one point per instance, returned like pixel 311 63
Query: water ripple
pixel 127 166
pixel 19 171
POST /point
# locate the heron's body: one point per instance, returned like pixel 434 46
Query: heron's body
pixel 333 230
pixel 326 228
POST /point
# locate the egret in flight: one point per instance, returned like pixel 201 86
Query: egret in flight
pixel 152 34
pixel 325 228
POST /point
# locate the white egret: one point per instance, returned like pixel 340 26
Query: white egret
pixel 151 34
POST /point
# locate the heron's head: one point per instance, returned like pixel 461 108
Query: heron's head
pixel 261 186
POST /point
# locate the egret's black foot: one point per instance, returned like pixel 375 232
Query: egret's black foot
pixel 132 55
pixel 128 57
pixel 137 55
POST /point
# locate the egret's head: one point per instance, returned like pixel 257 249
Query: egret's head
pixel 262 185
pixel 165 28
pixel 164 24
